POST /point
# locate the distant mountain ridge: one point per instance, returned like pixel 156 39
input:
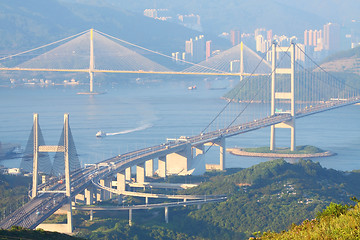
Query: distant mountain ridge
pixel 345 61
pixel 283 16
pixel 32 23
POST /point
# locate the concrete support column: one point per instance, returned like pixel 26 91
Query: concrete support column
pixel 272 138
pixel 128 174
pixel 130 217
pixel 98 194
pixel 179 161
pixel 69 217
pixel 91 215
pixel 199 149
pixel 89 196
pixel 222 153
pixel 166 214
pixel 121 184
pixel 105 195
pixel 293 142
pixel 140 173
pixel 149 168
pixel 162 167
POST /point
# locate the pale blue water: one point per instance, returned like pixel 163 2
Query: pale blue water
pixel 164 109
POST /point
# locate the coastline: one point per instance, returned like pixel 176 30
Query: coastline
pixel 240 152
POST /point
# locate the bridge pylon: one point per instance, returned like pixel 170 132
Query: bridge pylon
pixel 290 96
pixel 51 148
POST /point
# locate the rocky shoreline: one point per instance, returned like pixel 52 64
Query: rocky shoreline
pixel 240 152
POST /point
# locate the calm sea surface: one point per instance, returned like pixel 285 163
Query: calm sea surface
pixel 147 113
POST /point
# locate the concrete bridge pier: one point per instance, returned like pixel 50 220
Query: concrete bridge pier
pixel 221 165
pixel 91 215
pixel 130 217
pixel 121 182
pixel 162 168
pixel 222 153
pixel 199 149
pixel 179 162
pixel 128 174
pixel 149 168
pixel 166 214
pixel 105 195
pixel 89 196
pixel 140 173
pixel 69 217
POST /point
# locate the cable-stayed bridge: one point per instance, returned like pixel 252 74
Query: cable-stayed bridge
pixel 277 98
pixel 95 52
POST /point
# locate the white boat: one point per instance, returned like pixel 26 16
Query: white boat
pixel 101 134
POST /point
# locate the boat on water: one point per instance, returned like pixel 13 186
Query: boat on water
pixel 192 87
pixel 8 150
pixel 71 82
pixel 100 134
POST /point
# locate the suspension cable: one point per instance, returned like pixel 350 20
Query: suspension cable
pixel 245 81
pixel 46 45
pixel 158 53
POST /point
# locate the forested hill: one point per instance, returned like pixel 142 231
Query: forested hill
pixel 273 195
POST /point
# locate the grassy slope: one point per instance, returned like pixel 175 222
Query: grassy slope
pixel 345 225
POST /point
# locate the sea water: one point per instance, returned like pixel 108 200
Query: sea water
pixel 140 114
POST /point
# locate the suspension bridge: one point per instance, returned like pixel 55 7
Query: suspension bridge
pixel 279 92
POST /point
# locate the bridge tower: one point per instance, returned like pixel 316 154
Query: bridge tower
pixel 50 148
pixel 241 61
pixel 91 65
pixel 290 96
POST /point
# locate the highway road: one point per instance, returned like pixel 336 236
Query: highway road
pixel 41 207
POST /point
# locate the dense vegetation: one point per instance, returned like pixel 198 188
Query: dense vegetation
pixel 337 221
pixel 269 196
pixel 306 149
pixel 353 52
pixel 23 233
pixel 13 193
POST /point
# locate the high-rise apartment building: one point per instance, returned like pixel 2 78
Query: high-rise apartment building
pixel 208 49
pixel 313 38
pixel 235 37
pixel 332 37
pixel 195 49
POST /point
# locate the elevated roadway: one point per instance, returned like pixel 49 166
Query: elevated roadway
pixel 41 207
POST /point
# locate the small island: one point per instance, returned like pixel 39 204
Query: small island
pixel 305 151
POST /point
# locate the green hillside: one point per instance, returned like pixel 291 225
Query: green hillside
pixel 13 193
pixel 27 234
pixel 337 221
pixel 269 196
